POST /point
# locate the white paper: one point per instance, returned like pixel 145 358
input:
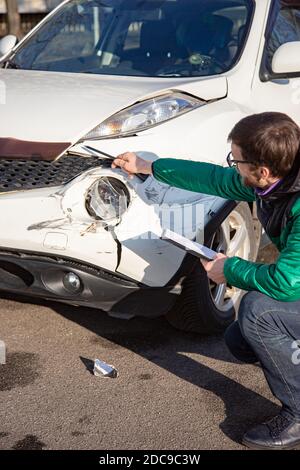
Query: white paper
pixel 194 248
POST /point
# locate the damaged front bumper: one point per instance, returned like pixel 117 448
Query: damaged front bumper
pixel 45 277
pixel 48 235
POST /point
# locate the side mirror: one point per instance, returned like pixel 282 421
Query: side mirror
pixel 287 58
pixel 7 43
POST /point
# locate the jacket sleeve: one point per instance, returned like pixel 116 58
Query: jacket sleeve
pixel 280 280
pixel 202 177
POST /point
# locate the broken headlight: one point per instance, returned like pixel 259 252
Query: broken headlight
pixel 107 199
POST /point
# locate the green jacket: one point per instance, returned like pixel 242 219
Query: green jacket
pixel 280 280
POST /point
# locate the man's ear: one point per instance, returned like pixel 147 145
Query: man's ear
pixel 265 173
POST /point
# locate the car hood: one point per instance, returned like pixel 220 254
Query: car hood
pixel 60 108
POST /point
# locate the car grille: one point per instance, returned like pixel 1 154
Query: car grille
pixel 29 174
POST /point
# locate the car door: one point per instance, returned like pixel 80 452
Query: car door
pixel 271 91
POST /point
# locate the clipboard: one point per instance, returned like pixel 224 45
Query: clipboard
pixel 194 248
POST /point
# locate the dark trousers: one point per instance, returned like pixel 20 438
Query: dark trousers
pixel 268 331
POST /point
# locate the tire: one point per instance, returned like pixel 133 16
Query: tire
pixel 204 307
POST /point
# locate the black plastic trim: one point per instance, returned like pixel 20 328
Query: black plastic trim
pixel 42 276
pixel 21 174
pixel 217 218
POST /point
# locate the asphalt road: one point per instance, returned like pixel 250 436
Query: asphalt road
pixel 174 390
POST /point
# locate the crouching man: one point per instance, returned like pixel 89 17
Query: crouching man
pixel 264 167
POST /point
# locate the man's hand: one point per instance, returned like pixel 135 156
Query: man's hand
pixel 215 268
pixel 131 164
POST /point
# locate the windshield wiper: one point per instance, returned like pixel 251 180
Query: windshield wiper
pixel 10 64
pixel 105 156
pixel 169 75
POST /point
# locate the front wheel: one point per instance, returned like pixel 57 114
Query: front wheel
pixel 203 306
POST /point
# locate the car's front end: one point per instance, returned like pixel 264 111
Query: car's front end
pixel 77 231
pixel 59 195
pixel 74 229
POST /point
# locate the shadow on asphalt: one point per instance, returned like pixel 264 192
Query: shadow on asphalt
pixel 156 341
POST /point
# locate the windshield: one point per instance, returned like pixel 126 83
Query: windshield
pixel 167 38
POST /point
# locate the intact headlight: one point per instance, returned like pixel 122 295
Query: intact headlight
pixel 144 115
pixel 107 199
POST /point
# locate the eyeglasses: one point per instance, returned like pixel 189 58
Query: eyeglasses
pixel 232 163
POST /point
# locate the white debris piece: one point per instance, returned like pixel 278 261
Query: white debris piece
pixel 2 353
pixel 101 369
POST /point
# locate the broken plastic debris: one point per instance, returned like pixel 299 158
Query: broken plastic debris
pixel 2 353
pixel 101 369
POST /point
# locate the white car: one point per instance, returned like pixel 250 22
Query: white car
pixel 163 78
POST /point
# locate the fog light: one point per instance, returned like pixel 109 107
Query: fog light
pixel 72 283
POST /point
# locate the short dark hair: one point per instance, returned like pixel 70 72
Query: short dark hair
pixel 271 139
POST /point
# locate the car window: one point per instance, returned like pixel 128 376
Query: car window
pixel 161 38
pixel 286 28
